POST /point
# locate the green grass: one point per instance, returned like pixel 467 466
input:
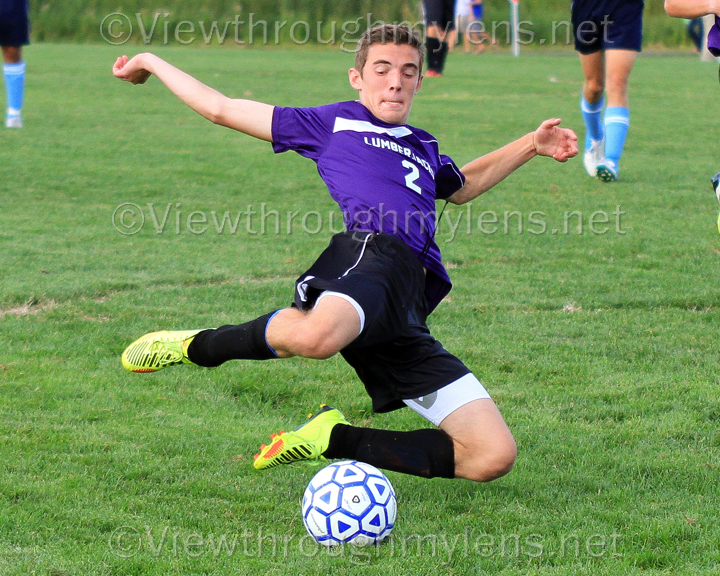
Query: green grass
pixel 600 349
pixel 84 20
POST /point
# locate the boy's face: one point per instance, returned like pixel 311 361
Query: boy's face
pixel 389 81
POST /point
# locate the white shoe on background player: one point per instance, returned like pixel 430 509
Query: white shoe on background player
pixel 13 122
pixel 593 156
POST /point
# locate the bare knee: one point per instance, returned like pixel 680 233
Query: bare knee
pixel 593 90
pixel 487 464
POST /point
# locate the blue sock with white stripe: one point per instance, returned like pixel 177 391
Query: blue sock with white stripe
pixel 592 115
pixel 15 87
pixel 617 122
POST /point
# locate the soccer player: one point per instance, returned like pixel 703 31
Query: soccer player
pixel 14 34
pixel 478 28
pixel 439 23
pixel 369 293
pixel 608 37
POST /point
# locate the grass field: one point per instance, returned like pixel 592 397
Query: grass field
pixel 599 343
pixel 80 20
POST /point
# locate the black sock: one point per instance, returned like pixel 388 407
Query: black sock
pixel 433 46
pixel 232 342
pixel 441 56
pixel 428 453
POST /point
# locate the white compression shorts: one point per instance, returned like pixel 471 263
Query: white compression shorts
pixel 438 405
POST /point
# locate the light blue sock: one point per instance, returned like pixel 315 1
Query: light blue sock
pixel 592 115
pixel 617 122
pixel 14 86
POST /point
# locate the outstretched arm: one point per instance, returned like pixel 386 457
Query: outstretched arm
pixel 692 8
pixel 247 116
pixel 484 172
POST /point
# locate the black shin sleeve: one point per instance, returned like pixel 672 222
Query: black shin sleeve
pixel 232 342
pixel 444 46
pixel 433 46
pixel 428 453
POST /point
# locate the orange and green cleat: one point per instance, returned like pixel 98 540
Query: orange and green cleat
pixel 308 442
pixel 158 350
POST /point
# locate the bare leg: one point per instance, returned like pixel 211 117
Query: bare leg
pixel 321 333
pixel 484 447
pixel 12 54
pixel 593 66
pixel 618 64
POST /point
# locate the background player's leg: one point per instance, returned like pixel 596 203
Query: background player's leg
pixel 593 67
pixel 436 49
pixel 484 446
pixel 619 64
pixel 14 72
pixel 591 105
pixel 12 54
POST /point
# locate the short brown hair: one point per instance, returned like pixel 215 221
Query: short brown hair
pixel 387 34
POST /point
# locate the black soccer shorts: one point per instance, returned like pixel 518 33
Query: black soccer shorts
pixel 395 356
pixel 14 24
pixel 440 13
pixel 607 25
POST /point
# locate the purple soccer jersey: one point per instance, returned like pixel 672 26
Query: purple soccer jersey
pixel 384 177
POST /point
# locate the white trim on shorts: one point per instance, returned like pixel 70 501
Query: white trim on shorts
pixel 347 298
pixel 438 405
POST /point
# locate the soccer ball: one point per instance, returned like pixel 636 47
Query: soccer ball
pixel 349 502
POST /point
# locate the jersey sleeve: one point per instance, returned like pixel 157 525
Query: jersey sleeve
pixel 304 130
pixel 448 178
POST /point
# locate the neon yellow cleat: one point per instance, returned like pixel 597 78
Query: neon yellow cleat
pixel 307 442
pixel 158 350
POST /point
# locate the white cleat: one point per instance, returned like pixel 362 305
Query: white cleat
pixel 593 156
pixel 606 171
pixel 13 122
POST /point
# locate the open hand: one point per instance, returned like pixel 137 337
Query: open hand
pixel 557 143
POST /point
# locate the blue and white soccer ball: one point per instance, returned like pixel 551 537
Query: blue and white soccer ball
pixel 349 502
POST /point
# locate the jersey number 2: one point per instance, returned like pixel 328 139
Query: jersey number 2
pixel 412 176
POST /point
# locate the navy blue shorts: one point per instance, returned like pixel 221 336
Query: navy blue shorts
pixel 607 25
pixel 395 356
pixel 14 23
pixel 440 13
